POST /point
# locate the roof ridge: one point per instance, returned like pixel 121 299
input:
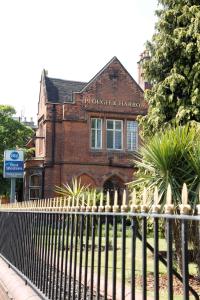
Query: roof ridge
pixel 76 81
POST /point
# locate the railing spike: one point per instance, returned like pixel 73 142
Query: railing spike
pixel 108 198
pixel 155 196
pixel 108 206
pixel 133 205
pixel 184 194
pixel 88 200
pixel 144 201
pixel 124 198
pixel 101 206
pixel 169 195
pixel 169 207
pixel 77 202
pixel 185 208
pixel 61 203
pixel 133 197
pixel 156 207
pixel 83 200
pixel 124 206
pixel 69 201
pixel 94 207
pixel 116 206
pixel 101 199
pixel 94 198
pixel 116 198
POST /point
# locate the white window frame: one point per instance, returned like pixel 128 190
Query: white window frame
pixel 32 187
pixel 96 130
pixel 114 130
pixel 132 148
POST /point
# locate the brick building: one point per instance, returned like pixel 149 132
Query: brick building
pixel 85 129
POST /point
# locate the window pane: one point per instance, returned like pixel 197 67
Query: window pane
pixel 93 123
pixel 98 139
pixel 129 139
pixel 99 123
pixel 93 138
pixel 118 125
pixel 132 135
pixel 118 140
pixel 132 125
pixel 110 124
pixel 96 128
pixel 34 193
pixel 110 139
pixel 35 180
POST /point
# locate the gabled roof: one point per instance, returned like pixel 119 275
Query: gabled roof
pixel 60 91
pixel 103 69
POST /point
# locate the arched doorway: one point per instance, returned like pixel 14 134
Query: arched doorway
pixel 113 184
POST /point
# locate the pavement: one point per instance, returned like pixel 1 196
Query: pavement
pixel 13 287
pixel 3 292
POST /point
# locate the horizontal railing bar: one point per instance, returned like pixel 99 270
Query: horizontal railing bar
pixel 127 214
pixel 27 281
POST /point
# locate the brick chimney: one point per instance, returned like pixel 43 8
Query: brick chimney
pixel 144 84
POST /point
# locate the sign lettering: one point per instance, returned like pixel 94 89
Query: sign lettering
pixel 13 164
pixel 122 103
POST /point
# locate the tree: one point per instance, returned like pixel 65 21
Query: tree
pixel 13 134
pixel 173 67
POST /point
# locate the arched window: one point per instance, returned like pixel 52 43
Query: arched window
pixel 34 187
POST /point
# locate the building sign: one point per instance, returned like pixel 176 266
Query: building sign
pixel 112 102
pixel 13 164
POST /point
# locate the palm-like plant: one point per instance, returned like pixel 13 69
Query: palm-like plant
pixel 73 190
pixel 172 157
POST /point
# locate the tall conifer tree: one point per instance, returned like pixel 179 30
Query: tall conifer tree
pixel 173 68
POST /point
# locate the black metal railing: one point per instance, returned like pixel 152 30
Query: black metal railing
pixel 103 252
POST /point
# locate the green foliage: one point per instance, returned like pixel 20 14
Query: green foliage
pixel 13 135
pixel 73 190
pixel 79 192
pixel 174 67
pixel 172 157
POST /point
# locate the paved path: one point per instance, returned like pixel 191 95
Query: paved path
pixel 3 293
pixel 12 286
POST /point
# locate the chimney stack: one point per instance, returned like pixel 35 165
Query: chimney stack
pixel 144 84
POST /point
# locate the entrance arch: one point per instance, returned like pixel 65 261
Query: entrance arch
pixel 112 184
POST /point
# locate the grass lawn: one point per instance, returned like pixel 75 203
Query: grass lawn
pixel 138 261
pixel 150 266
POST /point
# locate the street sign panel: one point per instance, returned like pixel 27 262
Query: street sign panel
pixel 13 164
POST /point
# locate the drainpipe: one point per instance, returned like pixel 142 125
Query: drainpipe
pixel 43 178
pixel 53 133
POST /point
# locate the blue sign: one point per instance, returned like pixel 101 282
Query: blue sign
pixel 13 164
pixel 14 155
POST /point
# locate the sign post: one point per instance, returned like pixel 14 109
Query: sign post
pixel 13 168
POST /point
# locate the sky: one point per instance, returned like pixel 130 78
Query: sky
pixel 72 39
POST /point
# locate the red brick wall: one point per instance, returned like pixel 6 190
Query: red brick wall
pixel 72 155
